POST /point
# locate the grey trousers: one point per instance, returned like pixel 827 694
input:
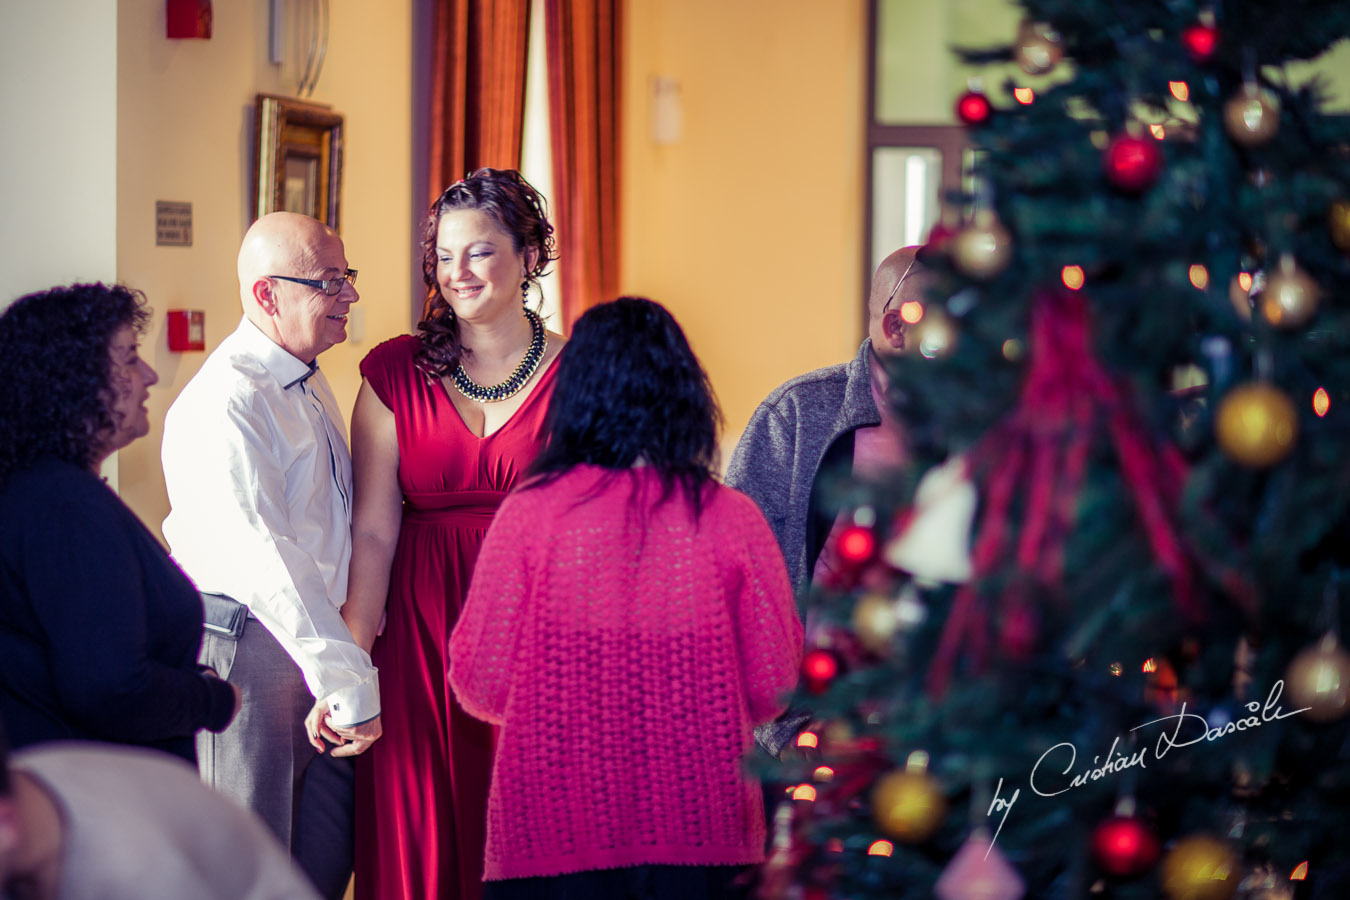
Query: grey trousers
pixel 264 761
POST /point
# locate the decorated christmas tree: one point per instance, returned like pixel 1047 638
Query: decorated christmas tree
pixel 1090 646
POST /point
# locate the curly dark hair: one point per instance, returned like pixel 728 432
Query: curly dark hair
pixel 520 210
pixel 57 372
pixel 630 387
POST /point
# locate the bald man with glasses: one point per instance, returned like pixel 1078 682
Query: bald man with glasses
pixel 260 487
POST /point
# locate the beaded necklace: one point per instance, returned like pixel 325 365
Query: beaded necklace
pixel 517 379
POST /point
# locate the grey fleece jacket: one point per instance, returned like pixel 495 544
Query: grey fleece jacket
pixel 777 458
pixel 776 462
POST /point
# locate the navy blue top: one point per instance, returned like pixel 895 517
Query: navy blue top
pixel 99 628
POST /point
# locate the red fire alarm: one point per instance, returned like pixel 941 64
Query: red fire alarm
pixel 188 18
pixel 187 330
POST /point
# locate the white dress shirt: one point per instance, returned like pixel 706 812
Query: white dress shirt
pixel 259 477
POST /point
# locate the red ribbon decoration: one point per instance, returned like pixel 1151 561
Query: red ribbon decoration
pixel 1044 443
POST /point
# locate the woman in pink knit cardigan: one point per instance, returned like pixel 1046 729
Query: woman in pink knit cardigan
pixel 630 620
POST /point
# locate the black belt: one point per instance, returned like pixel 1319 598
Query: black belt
pixel 223 616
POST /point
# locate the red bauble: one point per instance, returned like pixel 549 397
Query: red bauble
pixel 1132 163
pixel 1125 846
pixel 856 545
pixel 973 108
pixel 1200 41
pixel 819 667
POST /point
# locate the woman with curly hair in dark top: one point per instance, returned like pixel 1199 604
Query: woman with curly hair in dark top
pixel 99 629
pixel 444 424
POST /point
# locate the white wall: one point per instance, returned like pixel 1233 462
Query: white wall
pixel 58 155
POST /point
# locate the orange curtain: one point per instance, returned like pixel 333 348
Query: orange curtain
pixel 478 87
pixel 583 95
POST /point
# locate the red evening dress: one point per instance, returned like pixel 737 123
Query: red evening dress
pixel 422 788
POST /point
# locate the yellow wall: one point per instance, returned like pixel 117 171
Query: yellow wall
pixel 185 133
pixel 749 227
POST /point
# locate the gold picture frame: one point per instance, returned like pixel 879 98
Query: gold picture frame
pixel 297 158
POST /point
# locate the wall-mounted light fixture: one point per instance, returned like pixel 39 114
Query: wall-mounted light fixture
pixel 667 111
pixel 299 28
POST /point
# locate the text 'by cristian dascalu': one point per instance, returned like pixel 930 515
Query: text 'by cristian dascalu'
pixel 1050 779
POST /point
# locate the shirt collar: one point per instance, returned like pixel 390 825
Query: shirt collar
pixel 286 369
pixel 313 367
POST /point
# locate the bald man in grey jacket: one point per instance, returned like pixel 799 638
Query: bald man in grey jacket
pixel 826 414
pixel 828 418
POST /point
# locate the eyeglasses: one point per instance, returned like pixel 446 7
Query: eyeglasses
pixel 330 286
pixel 887 305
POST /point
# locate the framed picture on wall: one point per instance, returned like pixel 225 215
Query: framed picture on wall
pixel 297 158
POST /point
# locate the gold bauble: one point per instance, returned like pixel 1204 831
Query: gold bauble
pixel 908 805
pixel 1252 115
pixel 1338 223
pixel 1319 679
pixel 1290 296
pixel 983 248
pixel 1038 47
pixel 1256 424
pixel 875 621
pixel 1200 867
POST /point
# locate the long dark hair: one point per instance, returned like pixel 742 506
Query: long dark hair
pixel 629 388
pixel 521 212
pixel 57 372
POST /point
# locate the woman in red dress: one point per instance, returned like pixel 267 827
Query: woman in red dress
pixel 445 422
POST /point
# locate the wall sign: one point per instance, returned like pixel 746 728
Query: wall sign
pixel 173 224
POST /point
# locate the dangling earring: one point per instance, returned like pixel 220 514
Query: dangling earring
pixel 525 293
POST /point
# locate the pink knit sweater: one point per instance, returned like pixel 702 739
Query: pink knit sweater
pixel 626 666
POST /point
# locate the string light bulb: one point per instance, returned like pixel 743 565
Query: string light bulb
pixel 1321 402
